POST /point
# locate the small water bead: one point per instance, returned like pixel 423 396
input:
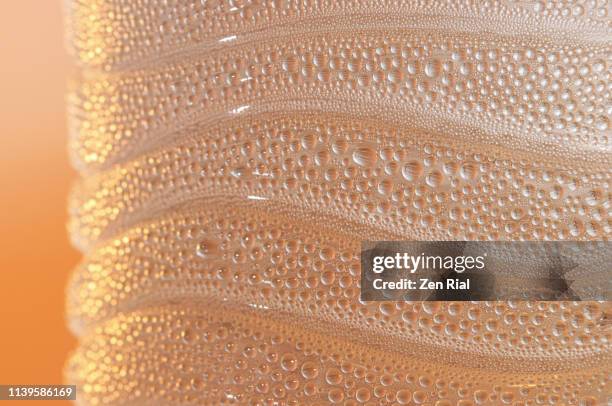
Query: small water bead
pixel 363 394
pixel 188 335
pixel 336 395
pixel 404 397
pixel 310 370
pixel 206 248
pixel 412 170
pixel 419 397
pixel 333 376
pixel 289 362
pixel 433 68
pixel 434 179
pixel 365 156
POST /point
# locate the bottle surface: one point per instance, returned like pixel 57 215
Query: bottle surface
pixel 234 154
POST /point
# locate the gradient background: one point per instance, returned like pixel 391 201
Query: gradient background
pixel 35 176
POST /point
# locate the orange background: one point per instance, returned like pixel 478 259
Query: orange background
pixel 35 176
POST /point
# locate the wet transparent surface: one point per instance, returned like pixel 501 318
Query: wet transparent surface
pixel 234 154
